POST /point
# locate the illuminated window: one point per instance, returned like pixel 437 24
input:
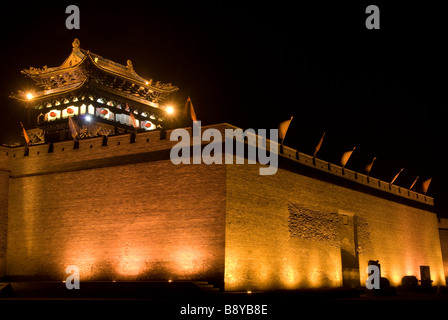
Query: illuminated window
pixel 110 103
pixel 105 113
pixel 48 105
pixel 91 109
pixel 123 118
pixel 83 109
pixel 100 100
pixel 52 115
pixel 91 98
pixel 147 125
pixel 75 99
pixel 70 111
pixel 66 101
pixel 57 103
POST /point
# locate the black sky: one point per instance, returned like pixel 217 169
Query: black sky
pixel 255 64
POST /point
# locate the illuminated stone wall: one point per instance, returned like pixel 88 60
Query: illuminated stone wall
pixel 292 230
pixel 4 185
pixel 443 232
pixel 124 211
pixel 118 212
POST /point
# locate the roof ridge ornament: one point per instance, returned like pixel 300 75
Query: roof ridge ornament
pixel 76 43
pixel 129 64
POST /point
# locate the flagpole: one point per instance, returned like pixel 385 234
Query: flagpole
pixel 395 178
pixel 413 183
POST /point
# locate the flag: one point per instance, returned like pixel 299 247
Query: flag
pixel 370 165
pixel 72 128
pixel 27 138
pixel 319 145
pixel 425 185
pixel 283 128
pixel 346 156
pixel 133 120
pixel 413 183
pixel 395 178
pixel 189 110
pixel 131 116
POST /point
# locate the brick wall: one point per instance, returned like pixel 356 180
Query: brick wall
pixel 122 211
pixel 4 186
pixel 443 233
pixel 287 231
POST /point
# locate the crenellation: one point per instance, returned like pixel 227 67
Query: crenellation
pixel 355 176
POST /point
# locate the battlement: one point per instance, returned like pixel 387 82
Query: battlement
pixel 350 175
pixel 98 151
pixel 443 224
pixel 356 176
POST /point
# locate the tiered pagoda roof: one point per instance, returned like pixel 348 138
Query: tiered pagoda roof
pixel 83 68
pixel 103 96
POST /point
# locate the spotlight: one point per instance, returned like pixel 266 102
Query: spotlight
pixel 88 118
pixel 169 110
pixel 29 96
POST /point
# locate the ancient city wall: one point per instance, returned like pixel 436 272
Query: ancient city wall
pixel 443 233
pixel 121 211
pixel 4 189
pixel 296 230
pixel 124 211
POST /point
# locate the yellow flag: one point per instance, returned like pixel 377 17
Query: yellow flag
pixel 370 165
pixel 283 128
pixel 189 110
pixel 133 120
pixel 25 135
pixel 319 145
pixel 346 156
pixel 425 185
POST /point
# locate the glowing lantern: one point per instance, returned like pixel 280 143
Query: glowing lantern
pixel 148 125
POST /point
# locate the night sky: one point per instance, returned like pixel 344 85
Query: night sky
pixel 259 63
